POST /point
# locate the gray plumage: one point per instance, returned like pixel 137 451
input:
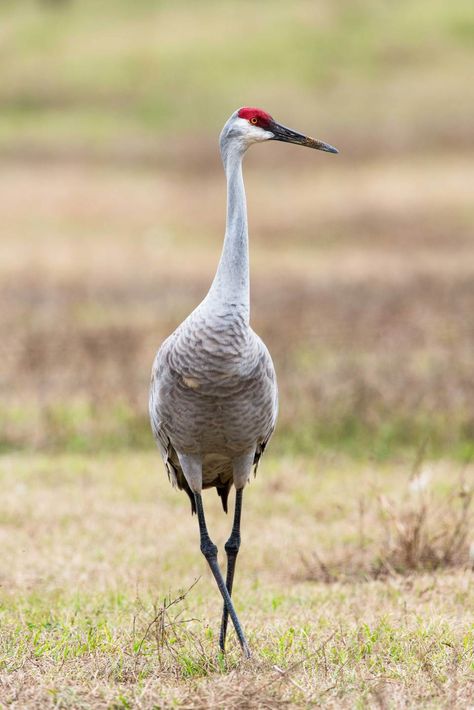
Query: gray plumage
pixel 213 396
pixel 213 393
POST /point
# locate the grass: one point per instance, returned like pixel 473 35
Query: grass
pixel 416 533
pixel 93 277
pixel 92 614
pixel 125 72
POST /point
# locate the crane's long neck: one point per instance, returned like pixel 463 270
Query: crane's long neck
pixel 230 288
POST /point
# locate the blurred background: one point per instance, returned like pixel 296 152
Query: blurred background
pixel 112 213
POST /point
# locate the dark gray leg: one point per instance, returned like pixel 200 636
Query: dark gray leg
pixel 209 550
pixel 232 548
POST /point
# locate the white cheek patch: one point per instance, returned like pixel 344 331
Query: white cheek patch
pixel 252 133
pixel 260 134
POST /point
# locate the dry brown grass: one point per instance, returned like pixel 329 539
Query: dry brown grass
pixel 418 533
pixel 368 325
pixel 93 559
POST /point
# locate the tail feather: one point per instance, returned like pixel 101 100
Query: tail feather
pixel 223 493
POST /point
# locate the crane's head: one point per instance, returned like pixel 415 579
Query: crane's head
pixel 252 125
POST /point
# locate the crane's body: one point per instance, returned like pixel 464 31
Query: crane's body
pixel 213 396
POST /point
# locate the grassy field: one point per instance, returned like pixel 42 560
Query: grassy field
pixel 348 601
pixel 354 582
pixel 370 331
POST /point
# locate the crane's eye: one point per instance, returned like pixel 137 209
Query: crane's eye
pixel 253 120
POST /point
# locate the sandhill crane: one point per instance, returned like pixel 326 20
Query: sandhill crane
pixel 213 395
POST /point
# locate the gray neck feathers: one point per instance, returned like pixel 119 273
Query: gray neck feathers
pixel 230 287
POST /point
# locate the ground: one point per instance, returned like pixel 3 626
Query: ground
pixel 96 548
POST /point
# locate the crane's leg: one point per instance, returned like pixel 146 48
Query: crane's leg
pixel 232 548
pixel 209 550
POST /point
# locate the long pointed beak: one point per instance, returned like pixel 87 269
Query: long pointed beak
pixel 287 135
